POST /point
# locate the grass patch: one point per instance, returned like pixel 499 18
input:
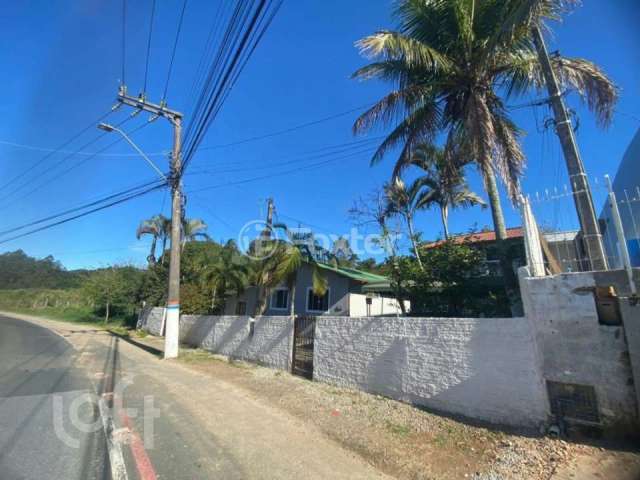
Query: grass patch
pixel 81 315
pixel 141 334
pixel 398 429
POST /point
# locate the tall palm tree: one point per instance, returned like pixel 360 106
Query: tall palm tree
pixel 443 183
pixel 404 200
pixel 454 62
pixel 158 227
pixel 229 272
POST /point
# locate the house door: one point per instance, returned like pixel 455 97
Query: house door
pixel 303 334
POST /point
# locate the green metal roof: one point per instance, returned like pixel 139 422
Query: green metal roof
pixel 359 275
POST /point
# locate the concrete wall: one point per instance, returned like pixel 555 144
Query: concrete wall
pixel 151 320
pixel 481 368
pixel 572 347
pixel 229 335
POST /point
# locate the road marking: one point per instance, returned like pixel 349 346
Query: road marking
pixel 116 459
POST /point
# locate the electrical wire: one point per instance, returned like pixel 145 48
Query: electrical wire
pixel 286 130
pixel 146 68
pixel 278 174
pixel 173 53
pixel 71 168
pixel 246 27
pixel 83 214
pixel 124 39
pixel 83 207
pixel 50 154
pixel 57 151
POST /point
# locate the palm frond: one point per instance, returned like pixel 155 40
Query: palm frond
pixel 596 89
pixel 396 46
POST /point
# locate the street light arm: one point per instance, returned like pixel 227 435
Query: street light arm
pixel 142 154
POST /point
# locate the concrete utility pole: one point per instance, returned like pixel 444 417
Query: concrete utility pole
pixel 171 338
pixel 579 183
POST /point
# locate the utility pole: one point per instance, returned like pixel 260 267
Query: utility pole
pixel 171 338
pixel 579 183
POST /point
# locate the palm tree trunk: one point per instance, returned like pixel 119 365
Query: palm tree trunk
pixel 106 314
pixel 152 253
pixel 494 201
pixel 510 280
pixel 413 240
pixel 261 301
pixel 444 213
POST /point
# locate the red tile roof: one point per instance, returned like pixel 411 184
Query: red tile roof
pixel 479 237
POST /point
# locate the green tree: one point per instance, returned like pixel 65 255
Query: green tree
pixel 158 227
pixel 442 184
pixel 105 288
pixel 228 274
pixel 404 200
pixel 454 63
pixel 193 229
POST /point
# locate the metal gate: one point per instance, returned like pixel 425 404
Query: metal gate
pixel 304 329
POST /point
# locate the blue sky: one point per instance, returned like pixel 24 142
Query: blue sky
pixel 61 65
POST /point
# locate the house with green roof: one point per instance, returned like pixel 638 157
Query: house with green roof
pixel 350 292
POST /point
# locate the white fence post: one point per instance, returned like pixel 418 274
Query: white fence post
pixel 622 241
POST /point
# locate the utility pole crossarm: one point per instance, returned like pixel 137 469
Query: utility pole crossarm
pixel 141 103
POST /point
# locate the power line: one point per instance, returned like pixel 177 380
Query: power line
pixel 350 147
pixel 243 33
pixel 82 207
pixel 124 39
pixel 61 152
pixel 84 214
pixel 278 174
pixel 71 168
pixel 146 68
pixel 175 46
pixel 286 130
pixel 44 158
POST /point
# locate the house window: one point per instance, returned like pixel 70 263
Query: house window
pixel 241 308
pixel 280 299
pixel 317 303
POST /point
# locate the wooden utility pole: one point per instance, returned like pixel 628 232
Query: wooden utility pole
pixel 578 178
pixel 172 334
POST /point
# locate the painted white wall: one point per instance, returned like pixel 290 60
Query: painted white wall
pixel 229 335
pixel 574 348
pixel 480 368
pixel 379 305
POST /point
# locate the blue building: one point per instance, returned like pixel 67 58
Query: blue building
pixel 626 186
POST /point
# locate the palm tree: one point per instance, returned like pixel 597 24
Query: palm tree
pixel 443 183
pixel 454 63
pixel 229 272
pixel 280 263
pixel 158 227
pixel 192 229
pixel 404 200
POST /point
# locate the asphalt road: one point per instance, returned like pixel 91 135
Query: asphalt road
pixel 146 418
pixel 39 384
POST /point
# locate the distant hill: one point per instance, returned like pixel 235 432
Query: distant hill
pixel 19 270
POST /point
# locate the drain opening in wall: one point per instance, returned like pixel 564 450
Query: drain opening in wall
pixel 572 401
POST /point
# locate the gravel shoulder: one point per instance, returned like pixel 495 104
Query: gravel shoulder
pixel 409 443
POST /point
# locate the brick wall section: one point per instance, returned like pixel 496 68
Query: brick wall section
pixel 480 368
pixel 229 335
